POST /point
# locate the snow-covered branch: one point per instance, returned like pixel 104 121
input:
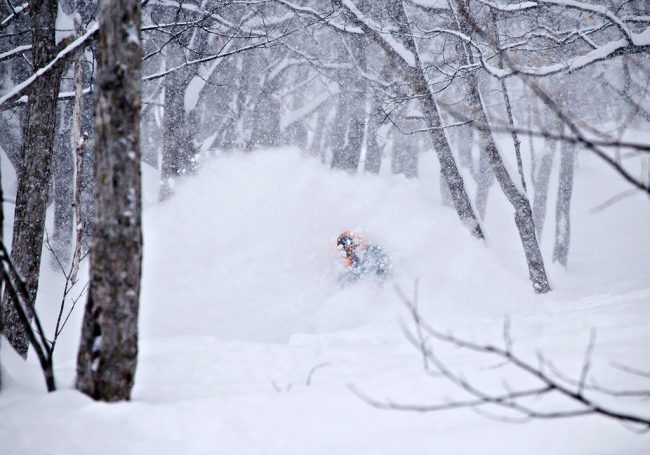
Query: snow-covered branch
pixel 15 51
pixel 22 87
pixel 15 12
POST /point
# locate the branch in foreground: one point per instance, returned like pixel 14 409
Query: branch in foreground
pixel 575 391
pixel 22 299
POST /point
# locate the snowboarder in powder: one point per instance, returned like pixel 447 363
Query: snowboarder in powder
pixel 362 259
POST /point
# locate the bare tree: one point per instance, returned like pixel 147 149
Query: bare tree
pixel 37 151
pixel 406 60
pixel 109 340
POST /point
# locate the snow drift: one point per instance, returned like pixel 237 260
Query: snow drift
pixel 248 341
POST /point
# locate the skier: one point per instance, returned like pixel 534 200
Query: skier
pixel 362 259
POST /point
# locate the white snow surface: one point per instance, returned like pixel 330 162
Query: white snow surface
pixel 248 343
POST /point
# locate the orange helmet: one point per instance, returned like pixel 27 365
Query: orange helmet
pixel 349 241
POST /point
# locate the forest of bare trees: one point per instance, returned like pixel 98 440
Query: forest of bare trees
pixel 504 94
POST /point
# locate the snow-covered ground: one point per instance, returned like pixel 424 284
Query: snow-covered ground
pixel 249 344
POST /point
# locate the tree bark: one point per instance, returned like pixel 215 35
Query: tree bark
pixel 108 350
pixel 34 184
pixel 563 207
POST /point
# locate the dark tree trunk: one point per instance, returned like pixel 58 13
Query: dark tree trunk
pixel 563 207
pixel 34 184
pixel 109 340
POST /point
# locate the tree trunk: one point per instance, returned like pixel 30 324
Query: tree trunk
pixel 541 166
pixel 541 178
pixel 34 184
pixel 316 147
pixel 347 154
pixel 448 166
pixel 563 207
pixel 178 147
pixel 373 153
pixel 109 340
pixel 484 179
pixel 62 176
pixel 404 156
pixel 518 199
pixel 266 116
pixel 339 134
pixel 2 223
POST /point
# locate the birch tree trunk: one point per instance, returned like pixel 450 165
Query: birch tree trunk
pixel 34 184
pixel 108 350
